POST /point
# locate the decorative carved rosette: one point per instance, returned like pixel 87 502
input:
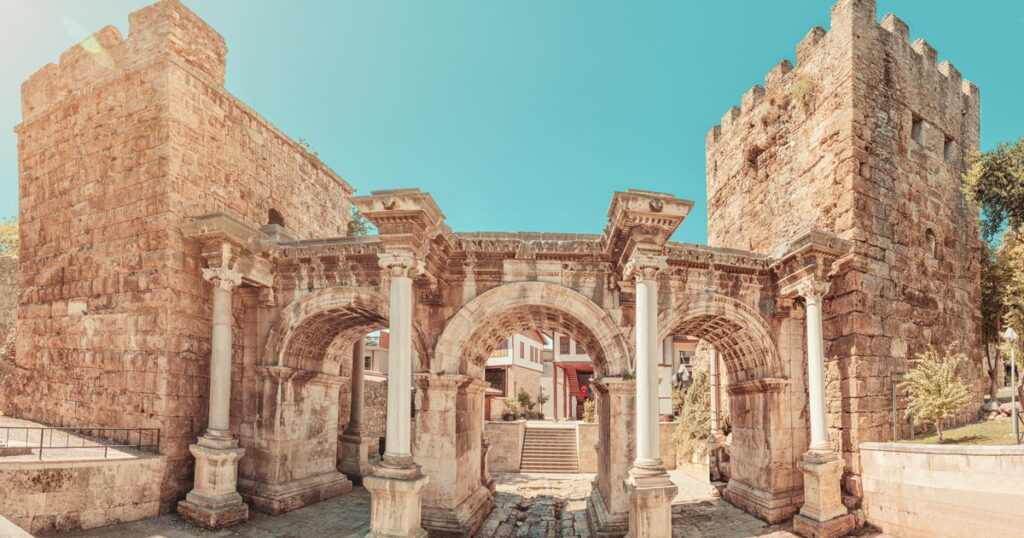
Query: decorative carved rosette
pixel 645 266
pixel 400 264
pixel 223 278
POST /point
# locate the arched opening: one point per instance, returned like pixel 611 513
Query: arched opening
pixel 450 420
pixel 304 389
pixel 274 217
pixel 763 394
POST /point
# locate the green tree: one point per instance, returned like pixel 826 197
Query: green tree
pixel 9 236
pixel 357 223
pixel 996 276
pixel 934 386
pixel 995 181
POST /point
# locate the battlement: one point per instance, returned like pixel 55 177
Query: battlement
pixel 852 20
pixel 164 28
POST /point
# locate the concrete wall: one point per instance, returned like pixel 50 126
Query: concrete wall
pixel 943 491
pixel 506 439
pixel 50 497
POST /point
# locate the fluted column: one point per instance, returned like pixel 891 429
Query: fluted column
pixel 397 484
pixel 651 490
pixel 214 501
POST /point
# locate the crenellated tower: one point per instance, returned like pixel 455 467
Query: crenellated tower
pixel 865 137
pixel 120 143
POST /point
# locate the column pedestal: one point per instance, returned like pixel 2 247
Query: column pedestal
pixel 395 495
pixel 650 505
pixel 214 502
pixel 360 455
pixel 823 514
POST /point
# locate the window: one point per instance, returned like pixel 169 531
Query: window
pixel 949 150
pixel 522 350
pixel 917 129
pixel 368 362
pixel 929 242
pixel 563 345
pixel 685 357
pixel 496 377
pixel 580 350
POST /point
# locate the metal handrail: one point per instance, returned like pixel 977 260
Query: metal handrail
pixel 106 442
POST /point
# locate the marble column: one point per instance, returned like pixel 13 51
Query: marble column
pixel 214 501
pixel 396 485
pixel 651 490
pixel 823 513
pixel 358 454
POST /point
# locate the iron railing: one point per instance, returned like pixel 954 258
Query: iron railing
pixel 44 438
pixel 372 341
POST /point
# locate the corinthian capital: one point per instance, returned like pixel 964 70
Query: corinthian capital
pixel 400 264
pixel 811 289
pixel 223 278
pixel 645 266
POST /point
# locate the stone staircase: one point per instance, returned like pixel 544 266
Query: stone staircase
pixel 549 450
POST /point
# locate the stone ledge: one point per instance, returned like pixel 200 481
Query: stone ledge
pixel 998 450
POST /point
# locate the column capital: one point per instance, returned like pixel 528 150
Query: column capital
pixel 811 289
pixel 222 277
pixel 644 266
pixel 400 264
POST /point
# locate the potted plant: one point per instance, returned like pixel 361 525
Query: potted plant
pixel 510 409
pixel 526 403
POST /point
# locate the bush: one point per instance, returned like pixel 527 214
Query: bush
pixel 695 415
pixel 935 389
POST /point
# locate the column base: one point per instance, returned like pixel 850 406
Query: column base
pixel 464 519
pixel 833 528
pixel 650 504
pixel 287 496
pixel 358 457
pixel 395 501
pixel 602 522
pixel 772 507
pixel 823 499
pixel 214 502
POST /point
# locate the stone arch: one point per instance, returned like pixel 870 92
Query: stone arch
pixel 765 394
pixel 450 411
pixel 300 381
pixel 305 330
pixel 744 338
pixel 474 331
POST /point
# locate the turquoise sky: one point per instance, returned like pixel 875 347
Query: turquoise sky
pixel 517 115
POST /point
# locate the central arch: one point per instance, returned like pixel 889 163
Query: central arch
pixel 450 414
pixel 765 391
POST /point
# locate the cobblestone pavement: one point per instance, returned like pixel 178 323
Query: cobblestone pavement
pixel 527 505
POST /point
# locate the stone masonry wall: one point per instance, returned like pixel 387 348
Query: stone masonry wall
pixel 864 138
pixel 50 497
pixel 122 142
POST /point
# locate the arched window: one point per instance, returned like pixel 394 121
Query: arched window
pixel 929 242
pixel 275 217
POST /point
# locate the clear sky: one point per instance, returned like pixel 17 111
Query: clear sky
pixel 516 115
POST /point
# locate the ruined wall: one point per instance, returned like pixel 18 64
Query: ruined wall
pixel 864 138
pixel 121 143
pixel 58 496
pixel 8 291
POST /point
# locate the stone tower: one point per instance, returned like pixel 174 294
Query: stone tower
pixel 121 143
pixel 864 138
